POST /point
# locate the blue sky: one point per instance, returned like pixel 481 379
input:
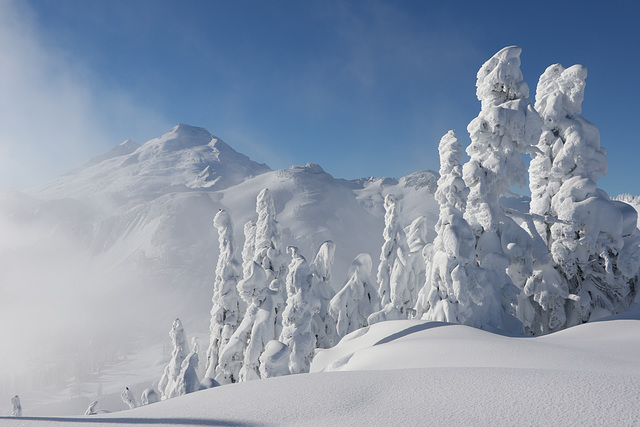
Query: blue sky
pixel 361 87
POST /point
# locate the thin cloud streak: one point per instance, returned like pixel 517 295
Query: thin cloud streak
pixel 54 115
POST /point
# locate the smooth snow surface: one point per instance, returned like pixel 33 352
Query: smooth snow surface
pixel 417 372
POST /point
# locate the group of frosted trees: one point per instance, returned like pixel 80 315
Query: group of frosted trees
pixel 572 257
pixel 270 312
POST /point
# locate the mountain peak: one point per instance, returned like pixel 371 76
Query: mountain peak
pixel 188 130
pixel 180 137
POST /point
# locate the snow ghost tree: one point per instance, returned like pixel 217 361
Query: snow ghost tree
pixel 256 329
pixel 268 251
pixel 354 303
pixel 274 361
pixel 188 381
pixel 92 409
pixel 149 396
pixel 128 398
pixel 506 127
pixel 591 256
pixel 16 406
pixel 452 293
pixel 297 317
pixel 261 289
pixel 225 312
pixel 168 382
pixel 417 238
pixel 393 270
pixel 323 325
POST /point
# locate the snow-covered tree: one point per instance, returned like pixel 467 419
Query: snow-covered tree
pixel 168 382
pixel 16 406
pixel 268 252
pixel 355 302
pixel 323 325
pixel 261 289
pixel 274 361
pixel 452 293
pixel 128 398
pixel 298 313
pixel 582 227
pixel 506 127
pixel 225 311
pixel 417 239
pixel 394 268
pixel 256 329
pixel 92 408
pixel 188 380
pixel 149 396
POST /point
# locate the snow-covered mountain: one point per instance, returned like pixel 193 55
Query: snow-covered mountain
pixel 185 157
pixel 113 251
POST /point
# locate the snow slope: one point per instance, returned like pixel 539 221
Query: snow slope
pixel 419 373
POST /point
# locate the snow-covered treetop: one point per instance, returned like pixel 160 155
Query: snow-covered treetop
pixel 267 250
pixel 324 260
pixel 361 267
pixel 222 222
pixel 560 92
pixel 452 190
pixel 559 97
pixel 500 78
pixel 178 336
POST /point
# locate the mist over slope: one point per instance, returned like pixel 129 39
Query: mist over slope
pixel 101 260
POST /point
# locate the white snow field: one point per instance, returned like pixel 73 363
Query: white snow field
pixel 425 373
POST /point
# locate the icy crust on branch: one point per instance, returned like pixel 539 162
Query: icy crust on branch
pixel 354 303
pixel 225 311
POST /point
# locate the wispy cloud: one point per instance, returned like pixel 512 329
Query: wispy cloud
pixel 54 112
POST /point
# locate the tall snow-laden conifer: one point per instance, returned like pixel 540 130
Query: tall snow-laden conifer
pixel 301 306
pixel 506 127
pixel 394 268
pixel 452 293
pixel 323 325
pixel 261 289
pixel 225 311
pixel 595 256
pixel 355 302
pixel 268 252
pixel 169 381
